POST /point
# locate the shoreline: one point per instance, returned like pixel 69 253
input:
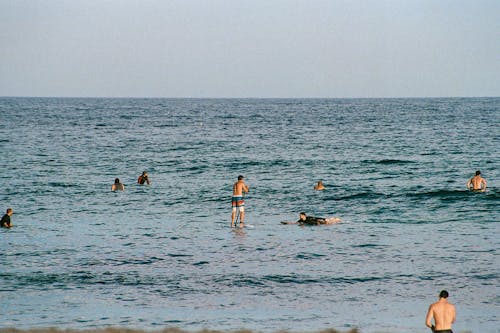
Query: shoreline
pixel 165 330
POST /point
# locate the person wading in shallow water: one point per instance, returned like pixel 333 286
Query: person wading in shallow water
pixel 144 178
pixel 6 222
pixel 477 183
pixel 443 313
pixel 319 186
pixel 117 186
pixel 237 201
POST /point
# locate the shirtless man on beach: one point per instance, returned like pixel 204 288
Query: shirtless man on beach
pixel 477 183
pixel 443 314
pixel 237 201
pixel 311 220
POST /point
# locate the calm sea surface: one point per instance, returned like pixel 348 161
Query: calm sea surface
pixel 163 255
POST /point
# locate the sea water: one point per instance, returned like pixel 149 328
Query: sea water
pixel 164 255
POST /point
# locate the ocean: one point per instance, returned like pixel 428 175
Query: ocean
pixel 80 256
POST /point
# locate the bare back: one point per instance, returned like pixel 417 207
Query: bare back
pixel 477 182
pixel 117 187
pixel 443 314
pixel 239 187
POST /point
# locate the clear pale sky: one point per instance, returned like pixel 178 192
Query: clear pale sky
pixel 259 48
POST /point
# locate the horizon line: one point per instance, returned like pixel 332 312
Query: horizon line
pixel 319 97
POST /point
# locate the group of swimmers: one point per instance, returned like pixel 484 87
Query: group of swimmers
pixel 6 222
pixel 143 179
pixel 238 209
pixel 475 184
pixel 442 312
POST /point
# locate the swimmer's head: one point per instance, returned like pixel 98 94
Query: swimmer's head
pixel 240 177
pixel 144 173
pixel 478 173
pixel 302 215
pixel 117 181
pixel 443 294
pixel 10 211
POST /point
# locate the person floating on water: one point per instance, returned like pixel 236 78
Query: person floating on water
pixel 6 222
pixel 477 183
pixel 117 186
pixel 443 313
pixel 311 220
pixel 319 186
pixel 237 201
pixel 144 178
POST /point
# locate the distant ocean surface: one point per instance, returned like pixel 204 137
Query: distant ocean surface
pixel 81 256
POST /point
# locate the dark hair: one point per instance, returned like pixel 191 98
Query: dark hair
pixel 240 177
pixel 117 181
pixel 443 294
pixel 478 173
pixel 302 213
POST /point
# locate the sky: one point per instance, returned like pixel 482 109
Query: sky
pixel 247 49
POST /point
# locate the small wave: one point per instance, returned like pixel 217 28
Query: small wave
pixel 176 255
pixel 165 125
pixel 491 276
pixel 139 262
pixel 60 184
pixel 388 162
pixel 195 169
pixel 75 279
pixel 309 256
pixel 440 194
pixel 128 116
pixel 369 245
pixel 363 195
pixel 295 279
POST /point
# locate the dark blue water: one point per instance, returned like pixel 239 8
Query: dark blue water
pixel 81 256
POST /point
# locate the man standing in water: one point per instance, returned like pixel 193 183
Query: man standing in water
pixel 144 178
pixel 477 183
pixel 443 314
pixel 5 222
pixel 117 186
pixel 237 201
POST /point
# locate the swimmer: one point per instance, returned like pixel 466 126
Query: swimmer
pixel 443 313
pixel 6 222
pixel 144 178
pixel 477 183
pixel 237 201
pixel 319 186
pixel 311 220
pixel 117 186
